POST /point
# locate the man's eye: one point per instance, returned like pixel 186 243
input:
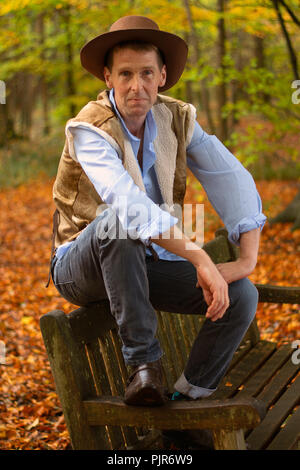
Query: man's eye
pixel 125 73
pixel 148 72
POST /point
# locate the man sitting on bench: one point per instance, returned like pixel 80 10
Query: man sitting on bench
pixel 126 155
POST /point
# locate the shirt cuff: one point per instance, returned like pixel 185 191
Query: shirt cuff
pixel 245 225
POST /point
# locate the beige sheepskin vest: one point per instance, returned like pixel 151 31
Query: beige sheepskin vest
pixel 75 197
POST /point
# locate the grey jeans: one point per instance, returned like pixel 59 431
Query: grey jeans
pixel 104 264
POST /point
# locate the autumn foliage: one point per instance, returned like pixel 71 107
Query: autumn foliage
pixel 30 413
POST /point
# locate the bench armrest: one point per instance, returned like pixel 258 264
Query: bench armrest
pixel 233 414
pixel 278 294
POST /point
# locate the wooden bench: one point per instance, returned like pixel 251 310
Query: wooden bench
pixel 255 406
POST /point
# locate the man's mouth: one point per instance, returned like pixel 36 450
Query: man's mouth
pixel 137 99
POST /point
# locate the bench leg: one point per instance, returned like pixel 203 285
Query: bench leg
pixel 229 440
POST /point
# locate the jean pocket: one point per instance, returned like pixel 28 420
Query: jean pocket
pixel 69 291
pixel 61 272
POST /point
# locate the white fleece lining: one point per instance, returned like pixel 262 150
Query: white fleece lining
pixel 103 134
pixel 165 146
pixel 131 165
pixel 191 128
pixel 192 391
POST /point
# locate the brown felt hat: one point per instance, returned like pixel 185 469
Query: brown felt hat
pixel 136 28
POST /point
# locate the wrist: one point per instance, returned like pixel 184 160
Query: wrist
pixel 200 258
pixel 248 262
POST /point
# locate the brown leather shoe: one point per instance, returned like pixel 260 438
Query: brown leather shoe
pixel 145 386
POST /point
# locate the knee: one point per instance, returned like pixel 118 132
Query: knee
pixel 244 297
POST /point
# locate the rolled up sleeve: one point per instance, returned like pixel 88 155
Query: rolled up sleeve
pixel 229 186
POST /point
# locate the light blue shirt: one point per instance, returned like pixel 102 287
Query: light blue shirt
pixel 228 185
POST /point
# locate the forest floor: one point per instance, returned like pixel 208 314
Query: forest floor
pixel 30 413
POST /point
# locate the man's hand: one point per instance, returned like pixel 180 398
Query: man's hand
pixel 215 289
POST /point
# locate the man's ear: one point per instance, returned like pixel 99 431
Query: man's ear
pixel 107 76
pixel 163 76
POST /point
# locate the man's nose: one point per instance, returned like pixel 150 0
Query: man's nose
pixel 136 82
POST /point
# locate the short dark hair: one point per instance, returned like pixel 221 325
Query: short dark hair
pixel 136 46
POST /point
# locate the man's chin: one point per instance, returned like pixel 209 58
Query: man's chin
pixel 139 110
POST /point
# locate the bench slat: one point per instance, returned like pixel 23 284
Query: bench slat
pixel 243 349
pixel 260 437
pixel 169 345
pixel 89 323
pixel 279 383
pixel 115 374
pixel 178 334
pixel 257 382
pixel 103 388
pixel 289 435
pixel 199 414
pixel 168 367
pixel 244 369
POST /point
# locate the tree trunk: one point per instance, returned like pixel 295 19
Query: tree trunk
pixel 222 88
pixel 292 54
pixel 70 82
pixel 290 214
pixel 43 86
pixel 259 52
pixel 204 96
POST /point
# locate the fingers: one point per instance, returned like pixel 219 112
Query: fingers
pixel 218 306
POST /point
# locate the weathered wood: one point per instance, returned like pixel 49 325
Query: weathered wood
pixel 289 435
pixel 279 383
pixel 278 294
pixel 102 385
pixel 117 383
pixel 180 340
pixel 170 345
pixel 89 323
pixel 218 250
pixel 263 375
pixel 249 364
pixel 170 373
pixel 198 414
pixel 253 333
pixel 234 250
pixel 259 438
pixel 73 380
pixel 229 440
pixel 241 352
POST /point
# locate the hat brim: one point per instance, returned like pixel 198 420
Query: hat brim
pixel 173 48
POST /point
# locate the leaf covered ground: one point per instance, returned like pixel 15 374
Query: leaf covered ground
pixel 30 413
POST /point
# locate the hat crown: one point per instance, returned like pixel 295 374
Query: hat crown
pixel 133 22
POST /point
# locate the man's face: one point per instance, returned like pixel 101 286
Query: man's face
pixel 135 77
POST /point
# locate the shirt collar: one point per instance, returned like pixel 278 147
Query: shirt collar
pixel 150 121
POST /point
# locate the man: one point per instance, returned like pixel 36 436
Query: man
pixel 129 149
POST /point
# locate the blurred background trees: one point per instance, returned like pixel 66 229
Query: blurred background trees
pixel 243 60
